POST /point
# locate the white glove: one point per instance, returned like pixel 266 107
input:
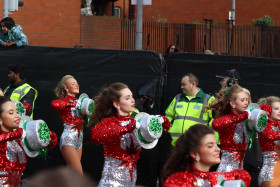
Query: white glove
pixel 138 125
pixel 249 113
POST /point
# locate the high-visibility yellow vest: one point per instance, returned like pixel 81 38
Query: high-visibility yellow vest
pixel 20 92
pixel 184 112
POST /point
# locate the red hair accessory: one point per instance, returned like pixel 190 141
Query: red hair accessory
pixel 267 108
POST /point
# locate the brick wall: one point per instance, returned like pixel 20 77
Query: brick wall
pixel 54 23
pixel 101 32
pixel 194 11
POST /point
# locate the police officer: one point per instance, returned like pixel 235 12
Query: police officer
pixel 188 108
pixel 19 90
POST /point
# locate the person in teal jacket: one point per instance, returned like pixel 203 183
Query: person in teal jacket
pixel 11 34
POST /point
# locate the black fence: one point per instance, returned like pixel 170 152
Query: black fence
pixel 223 39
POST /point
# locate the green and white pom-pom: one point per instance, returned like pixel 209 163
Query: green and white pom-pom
pixel 91 108
pixel 20 108
pixel 44 132
pixel 262 121
pixel 154 126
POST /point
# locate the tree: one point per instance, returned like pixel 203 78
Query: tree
pixel 265 21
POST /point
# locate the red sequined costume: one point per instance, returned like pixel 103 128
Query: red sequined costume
pixel 121 149
pixel 233 138
pixel 12 158
pixel 73 126
pixel 195 177
pixel 269 138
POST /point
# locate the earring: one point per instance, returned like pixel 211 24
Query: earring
pixel 118 107
pixel 0 122
pixel 233 106
pixel 197 158
pixel 67 90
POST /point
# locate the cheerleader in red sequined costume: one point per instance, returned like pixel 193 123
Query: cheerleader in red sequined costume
pixel 12 156
pixel 71 139
pixel 194 153
pixel 113 127
pixel 269 138
pixel 230 115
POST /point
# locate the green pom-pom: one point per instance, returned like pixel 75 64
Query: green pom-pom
pixel 262 121
pixel 91 108
pixel 44 132
pixel 20 108
pixel 43 153
pixel 154 126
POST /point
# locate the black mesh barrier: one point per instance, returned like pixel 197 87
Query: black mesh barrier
pixel 93 69
pixel 259 75
pixel 142 71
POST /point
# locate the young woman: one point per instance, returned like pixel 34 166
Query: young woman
pixel 229 106
pixel 12 156
pixel 194 153
pixel 269 138
pixel 114 128
pixel 72 137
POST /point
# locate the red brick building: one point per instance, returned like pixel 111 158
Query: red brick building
pixel 50 23
pixel 59 23
pixel 194 11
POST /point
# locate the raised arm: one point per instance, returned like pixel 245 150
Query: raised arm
pixel 227 120
pixel 11 136
pixel 61 104
pixel 108 131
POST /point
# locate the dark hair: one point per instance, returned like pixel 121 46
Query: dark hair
pixel 3 99
pixel 192 78
pixel 20 69
pixel 63 176
pixel 190 141
pixel 8 22
pixel 168 48
pixel 103 102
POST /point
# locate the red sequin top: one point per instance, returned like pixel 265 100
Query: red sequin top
pixel 12 155
pixel 109 132
pixel 189 178
pixel 64 106
pixel 226 127
pixel 269 135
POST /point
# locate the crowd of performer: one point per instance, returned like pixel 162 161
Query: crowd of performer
pixel 202 127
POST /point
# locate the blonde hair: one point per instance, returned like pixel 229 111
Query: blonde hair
pixel 221 105
pixel 60 91
pixel 268 100
pixel 247 92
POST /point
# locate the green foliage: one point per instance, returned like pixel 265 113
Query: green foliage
pixel 265 21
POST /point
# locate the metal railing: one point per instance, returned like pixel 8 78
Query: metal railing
pixel 224 39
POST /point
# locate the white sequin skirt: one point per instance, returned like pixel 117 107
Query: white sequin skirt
pixel 71 136
pixel 269 161
pixel 229 162
pixel 114 175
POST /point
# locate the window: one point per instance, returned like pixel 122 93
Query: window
pixel 117 12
